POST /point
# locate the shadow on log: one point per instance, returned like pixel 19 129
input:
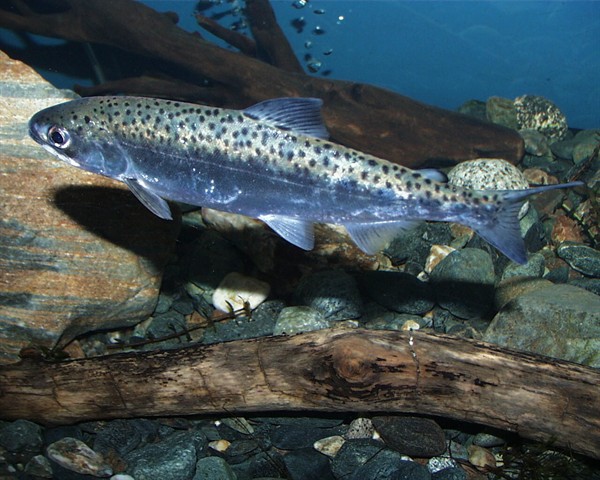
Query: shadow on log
pixel 360 116
pixel 325 371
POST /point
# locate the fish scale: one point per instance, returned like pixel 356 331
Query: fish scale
pixel 271 161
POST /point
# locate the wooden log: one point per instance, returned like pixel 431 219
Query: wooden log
pixel 371 119
pixel 326 371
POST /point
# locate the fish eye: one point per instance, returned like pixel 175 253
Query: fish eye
pixel 59 137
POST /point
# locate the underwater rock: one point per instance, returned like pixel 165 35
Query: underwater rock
pixel 213 468
pixel 79 252
pixel 560 321
pixel 501 111
pixel 489 174
pixel 237 292
pixel 333 293
pixel 398 291
pixel 173 457
pixel 463 283
pixel 535 142
pixel 580 257
pixel 75 455
pixel 537 113
pixel 292 320
pixel 412 436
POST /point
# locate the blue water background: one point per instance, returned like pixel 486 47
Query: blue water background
pixel 446 52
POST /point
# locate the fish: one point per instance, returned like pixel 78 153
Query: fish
pixel 272 161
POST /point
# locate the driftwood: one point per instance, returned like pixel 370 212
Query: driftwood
pixel 361 116
pixel 325 371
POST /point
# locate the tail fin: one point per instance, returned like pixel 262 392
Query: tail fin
pixel 504 232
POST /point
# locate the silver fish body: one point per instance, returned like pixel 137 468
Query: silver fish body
pixel 271 161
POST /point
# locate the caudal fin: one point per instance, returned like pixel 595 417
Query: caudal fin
pixel 504 232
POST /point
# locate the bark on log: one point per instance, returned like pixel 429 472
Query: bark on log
pixel 364 117
pixel 333 371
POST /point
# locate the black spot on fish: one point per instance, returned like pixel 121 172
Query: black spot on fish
pixel 168 128
pixel 249 144
pixel 388 184
pixel 176 104
pixel 290 156
pixel 409 185
pixel 302 154
pixel 372 163
pixel 75 117
pixel 418 186
pixel 325 161
pixel 87 119
pixel 376 178
pixel 170 116
pixel 428 194
pixel 211 126
pixel 318 150
pixel 201 118
pixel 385 169
pixel 236 134
pixel 244 130
pixel 364 175
pixel 198 111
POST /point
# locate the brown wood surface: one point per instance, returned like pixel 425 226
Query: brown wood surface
pixel 325 371
pixel 371 119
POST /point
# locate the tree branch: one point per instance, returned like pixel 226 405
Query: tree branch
pixel 325 371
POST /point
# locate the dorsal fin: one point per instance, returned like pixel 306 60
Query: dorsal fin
pixel 301 115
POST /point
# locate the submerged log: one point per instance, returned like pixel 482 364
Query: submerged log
pixel 360 116
pixel 326 371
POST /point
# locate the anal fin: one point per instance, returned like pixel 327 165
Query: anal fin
pixel 373 237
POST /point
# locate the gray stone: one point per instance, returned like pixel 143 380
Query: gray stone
pixel 501 111
pixel 390 465
pixel 463 283
pixel 533 268
pixel 292 320
pixel 173 458
pixel 21 435
pixel 560 321
pixel 213 468
pixel 39 467
pixel 393 321
pixel 78 252
pixel 264 464
pixel 412 436
pixel 353 454
pixel 564 148
pixel 121 436
pixel 590 284
pixel 580 257
pixel 488 440
pixel 414 245
pixel 398 291
pixel 535 142
pixel 452 473
pixel 473 108
pixel 301 436
pixel 307 463
pixel 333 293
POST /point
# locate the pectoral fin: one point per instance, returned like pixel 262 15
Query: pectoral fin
pixel 157 205
pixel 373 237
pixel 296 231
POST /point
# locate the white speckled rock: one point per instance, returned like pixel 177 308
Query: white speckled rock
pixel 489 174
pixel 237 290
pixel 537 113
